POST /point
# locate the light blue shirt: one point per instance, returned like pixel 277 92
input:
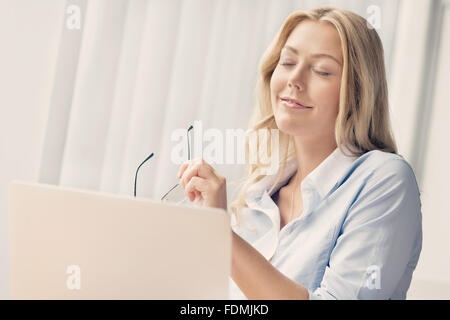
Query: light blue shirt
pixel 359 235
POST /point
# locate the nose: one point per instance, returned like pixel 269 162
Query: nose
pixel 296 79
pixel 297 85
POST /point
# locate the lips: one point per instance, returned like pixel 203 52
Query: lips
pixel 294 103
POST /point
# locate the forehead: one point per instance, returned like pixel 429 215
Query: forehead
pixel 316 37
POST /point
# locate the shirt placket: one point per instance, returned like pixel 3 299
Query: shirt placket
pixel 310 198
pixel 267 244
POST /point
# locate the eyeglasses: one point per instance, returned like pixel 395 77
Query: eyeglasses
pixel 176 189
pixel 135 176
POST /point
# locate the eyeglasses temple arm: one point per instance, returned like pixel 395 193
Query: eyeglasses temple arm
pixel 189 148
pixel 135 177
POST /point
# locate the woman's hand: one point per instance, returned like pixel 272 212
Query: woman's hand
pixel 202 184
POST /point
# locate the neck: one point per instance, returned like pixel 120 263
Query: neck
pixel 310 154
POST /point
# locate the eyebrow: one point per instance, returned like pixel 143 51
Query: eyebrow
pixel 317 55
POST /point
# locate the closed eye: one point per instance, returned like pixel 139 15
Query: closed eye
pixel 325 74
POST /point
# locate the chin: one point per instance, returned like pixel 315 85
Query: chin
pixel 290 127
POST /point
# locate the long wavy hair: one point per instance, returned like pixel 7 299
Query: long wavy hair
pixel 362 123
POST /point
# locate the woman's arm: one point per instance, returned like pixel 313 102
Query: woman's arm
pixel 257 278
pixel 254 275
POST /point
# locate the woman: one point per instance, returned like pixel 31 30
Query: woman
pixel 342 218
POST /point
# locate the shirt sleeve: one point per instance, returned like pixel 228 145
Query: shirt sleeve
pixel 380 239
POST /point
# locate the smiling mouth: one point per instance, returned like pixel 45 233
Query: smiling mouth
pixel 293 105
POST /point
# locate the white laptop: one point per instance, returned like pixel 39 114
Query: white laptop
pixel 73 244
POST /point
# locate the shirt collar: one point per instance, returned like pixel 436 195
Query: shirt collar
pixel 257 190
pixel 322 179
pixel 330 171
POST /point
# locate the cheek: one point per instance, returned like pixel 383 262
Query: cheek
pixel 276 82
pixel 277 85
pixel 327 96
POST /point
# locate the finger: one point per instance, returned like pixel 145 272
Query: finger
pixel 209 172
pixel 183 167
pixel 198 196
pixel 200 169
pixel 199 199
pixel 189 195
pixel 195 187
pixel 190 172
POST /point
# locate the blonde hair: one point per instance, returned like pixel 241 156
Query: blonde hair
pixel 362 123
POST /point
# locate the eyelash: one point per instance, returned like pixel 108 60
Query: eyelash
pixel 325 74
